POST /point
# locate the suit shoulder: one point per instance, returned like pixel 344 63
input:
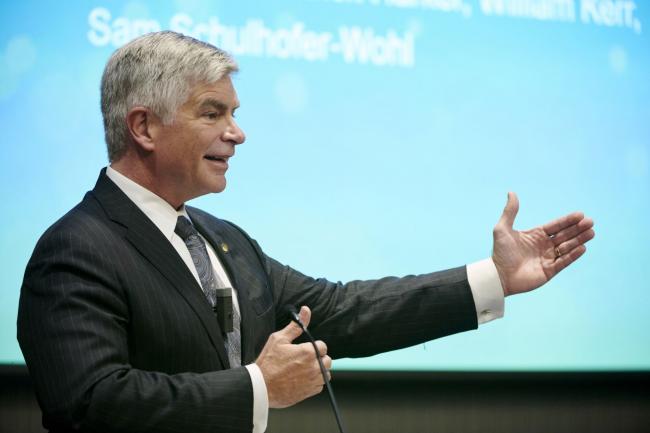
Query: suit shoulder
pixel 82 224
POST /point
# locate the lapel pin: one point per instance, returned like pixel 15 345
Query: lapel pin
pixel 224 247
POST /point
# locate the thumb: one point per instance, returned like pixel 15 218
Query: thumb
pixel 305 315
pixel 510 211
pixel 293 330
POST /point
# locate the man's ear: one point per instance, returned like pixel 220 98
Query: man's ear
pixel 141 122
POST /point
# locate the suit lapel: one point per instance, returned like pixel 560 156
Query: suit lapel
pixel 150 242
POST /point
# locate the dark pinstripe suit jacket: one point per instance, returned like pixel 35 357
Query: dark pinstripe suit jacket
pixel 118 336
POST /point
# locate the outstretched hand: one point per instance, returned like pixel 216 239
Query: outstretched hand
pixel 525 260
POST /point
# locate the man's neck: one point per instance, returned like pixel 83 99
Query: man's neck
pixel 145 179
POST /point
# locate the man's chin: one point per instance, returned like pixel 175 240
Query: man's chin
pixel 219 186
pixel 214 186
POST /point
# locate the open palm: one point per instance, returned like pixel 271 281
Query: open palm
pixel 527 259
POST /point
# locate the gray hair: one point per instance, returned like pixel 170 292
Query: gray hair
pixel 158 71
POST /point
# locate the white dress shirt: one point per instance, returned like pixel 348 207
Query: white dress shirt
pixel 482 276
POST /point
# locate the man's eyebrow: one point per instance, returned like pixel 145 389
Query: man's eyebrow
pixel 216 104
pixel 213 103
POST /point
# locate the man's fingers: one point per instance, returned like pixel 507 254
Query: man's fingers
pixel 554 227
pixel 322 348
pixel 293 330
pixel 305 315
pixel 566 259
pixel 327 362
pixel 582 238
pixel 572 231
pixel 510 211
pixel 289 332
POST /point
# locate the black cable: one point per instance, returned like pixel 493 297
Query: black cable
pixel 294 317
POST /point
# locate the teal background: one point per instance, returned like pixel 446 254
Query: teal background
pixel 355 170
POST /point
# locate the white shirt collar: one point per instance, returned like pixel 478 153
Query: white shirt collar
pixel 161 213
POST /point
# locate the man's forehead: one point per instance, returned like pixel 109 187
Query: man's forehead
pixel 221 90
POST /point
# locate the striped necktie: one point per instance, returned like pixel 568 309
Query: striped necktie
pixel 210 281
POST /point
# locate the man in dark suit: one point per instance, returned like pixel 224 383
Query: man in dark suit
pixel 117 315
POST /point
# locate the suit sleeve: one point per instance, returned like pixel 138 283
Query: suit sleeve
pixel 363 318
pixel 73 327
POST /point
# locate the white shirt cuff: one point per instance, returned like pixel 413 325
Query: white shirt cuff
pixel 487 291
pixel 260 399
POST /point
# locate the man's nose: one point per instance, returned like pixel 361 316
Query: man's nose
pixel 234 133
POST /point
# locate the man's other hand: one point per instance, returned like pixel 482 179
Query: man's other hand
pixel 291 371
pixel 525 260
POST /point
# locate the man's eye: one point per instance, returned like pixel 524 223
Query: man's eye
pixel 211 115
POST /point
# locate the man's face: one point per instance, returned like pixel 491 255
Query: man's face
pixel 193 152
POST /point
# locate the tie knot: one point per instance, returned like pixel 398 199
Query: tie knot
pixel 184 228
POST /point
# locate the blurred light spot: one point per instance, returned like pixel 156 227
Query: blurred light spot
pixel 20 55
pixel 291 93
pixel 618 59
pixel 8 82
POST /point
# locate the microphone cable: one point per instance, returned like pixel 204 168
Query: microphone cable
pixel 293 314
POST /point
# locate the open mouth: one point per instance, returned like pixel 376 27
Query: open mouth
pixel 215 158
